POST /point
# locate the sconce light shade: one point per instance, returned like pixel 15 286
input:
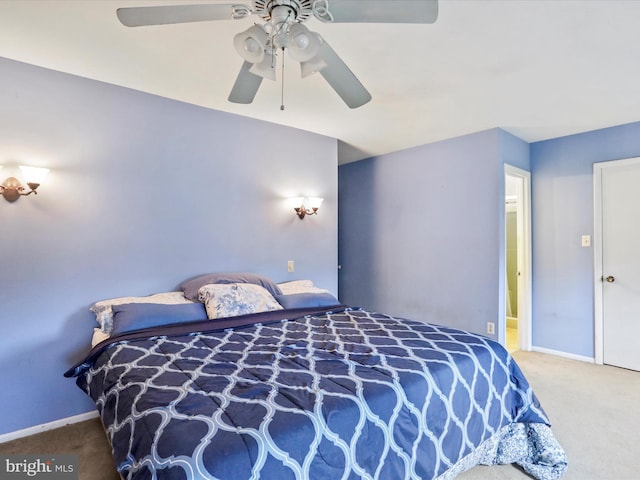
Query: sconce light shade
pixel 314 202
pixel 11 189
pixel 306 206
pixel 296 201
pixel 34 175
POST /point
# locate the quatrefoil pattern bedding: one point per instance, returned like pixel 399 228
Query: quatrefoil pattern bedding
pixel 341 395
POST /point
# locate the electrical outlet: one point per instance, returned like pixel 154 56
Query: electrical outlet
pixel 290 266
pixel 491 328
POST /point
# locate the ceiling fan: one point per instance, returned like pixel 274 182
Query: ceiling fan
pixel 283 29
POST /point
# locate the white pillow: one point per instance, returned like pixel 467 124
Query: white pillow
pixel 104 314
pixel 300 286
pixel 98 336
pixel 232 299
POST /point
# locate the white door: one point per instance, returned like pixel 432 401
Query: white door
pixel 620 280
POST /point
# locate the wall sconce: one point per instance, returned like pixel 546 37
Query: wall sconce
pixel 11 189
pixel 306 205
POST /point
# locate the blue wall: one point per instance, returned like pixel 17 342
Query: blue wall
pixel 422 230
pixel 143 193
pixel 562 211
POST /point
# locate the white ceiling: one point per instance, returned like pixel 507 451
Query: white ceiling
pixel 539 69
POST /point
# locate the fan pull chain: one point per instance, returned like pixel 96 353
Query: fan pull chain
pixel 282 83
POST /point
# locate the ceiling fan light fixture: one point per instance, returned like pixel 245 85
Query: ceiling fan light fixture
pixel 301 41
pixel 251 43
pixel 312 66
pixel 283 29
pixel 282 12
pixel 304 44
pixel 280 40
pixel 266 68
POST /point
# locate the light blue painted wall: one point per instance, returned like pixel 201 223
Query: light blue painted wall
pixel 143 193
pixel 405 247
pixel 513 151
pixel 562 211
pixel 422 230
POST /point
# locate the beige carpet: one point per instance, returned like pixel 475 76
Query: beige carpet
pixel 85 439
pixel 595 412
pixel 595 415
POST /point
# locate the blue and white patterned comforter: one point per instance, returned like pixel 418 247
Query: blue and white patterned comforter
pixel 339 395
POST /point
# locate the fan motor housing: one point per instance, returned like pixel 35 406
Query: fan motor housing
pixel 302 9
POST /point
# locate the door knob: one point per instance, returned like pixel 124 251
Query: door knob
pixel 610 279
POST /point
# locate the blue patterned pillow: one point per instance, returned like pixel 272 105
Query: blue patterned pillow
pixel 231 300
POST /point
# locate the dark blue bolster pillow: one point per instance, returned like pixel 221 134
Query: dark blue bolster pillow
pixel 304 300
pixel 135 316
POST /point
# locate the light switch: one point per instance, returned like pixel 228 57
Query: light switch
pixel 290 266
pixel 586 240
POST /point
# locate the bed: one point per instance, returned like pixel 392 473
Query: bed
pixel 306 389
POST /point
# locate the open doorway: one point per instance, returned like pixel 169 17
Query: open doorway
pixel 517 259
pixel 511 260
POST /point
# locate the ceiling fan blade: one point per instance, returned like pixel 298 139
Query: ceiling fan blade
pixel 341 79
pixel 246 86
pixel 380 11
pixel 167 14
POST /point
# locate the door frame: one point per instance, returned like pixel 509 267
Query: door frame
pixel 524 255
pixel 598 329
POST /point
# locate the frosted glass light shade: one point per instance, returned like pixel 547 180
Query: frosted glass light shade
pixel 296 202
pixel 266 68
pixel 313 202
pixel 250 44
pixel 303 44
pixel 34 174
pixel 312 66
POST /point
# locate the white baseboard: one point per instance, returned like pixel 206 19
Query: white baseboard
pixel 558 353
pixel 7 437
